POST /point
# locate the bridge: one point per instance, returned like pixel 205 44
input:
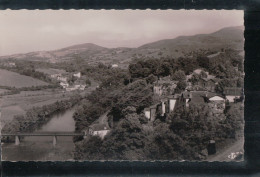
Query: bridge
pixel 53 134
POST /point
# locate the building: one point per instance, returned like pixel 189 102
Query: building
pixel 82 87
pixel 78 75
pixel 167 105
pixel 114 66
pixel 147 113
pixel 55 76
pixel 151 112
pixel 80 84
pixel 216 103
pixel 185 98
pixel 172 102
pixel 64 84
pixel 71 88
pixel 100 130
pixel 11 64
pixel 62 78
pixel 164 86
pixel 233 93
pixel 208 84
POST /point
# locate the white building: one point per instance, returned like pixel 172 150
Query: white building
pixel 82 87
pixel 233 93
pixel 64 84
pixel 172 103
pixel 78 75
pixel 114 66
pixel 69 89
pixel 100 130
pixel 147 113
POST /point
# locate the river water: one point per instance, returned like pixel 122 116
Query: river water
pixel 39 148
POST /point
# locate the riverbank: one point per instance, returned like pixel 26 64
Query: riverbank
pixel 36 117
pixel 41 148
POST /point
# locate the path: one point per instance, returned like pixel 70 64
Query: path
pixel 223 154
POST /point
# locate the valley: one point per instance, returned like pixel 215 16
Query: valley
pixel 122 98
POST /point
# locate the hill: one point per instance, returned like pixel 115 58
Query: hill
pixel 231 37
pixel 12 79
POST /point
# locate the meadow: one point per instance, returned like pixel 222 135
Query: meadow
pixel 12 79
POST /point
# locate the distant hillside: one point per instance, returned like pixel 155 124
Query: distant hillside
pixel 227 37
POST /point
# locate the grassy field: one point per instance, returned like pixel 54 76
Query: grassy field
pixel 19 103
pixel 12 79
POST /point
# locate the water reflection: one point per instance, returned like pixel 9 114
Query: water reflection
pixel 41 148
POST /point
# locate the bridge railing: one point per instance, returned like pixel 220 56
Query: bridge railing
pixel 53 134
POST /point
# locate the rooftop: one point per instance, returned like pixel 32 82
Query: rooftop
pixel 98 127
pixel 197 97
pixel 233 91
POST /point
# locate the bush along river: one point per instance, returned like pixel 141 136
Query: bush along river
pixel 40 148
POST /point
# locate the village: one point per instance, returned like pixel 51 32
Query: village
pixel 200 92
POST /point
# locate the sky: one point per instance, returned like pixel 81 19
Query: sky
pixel 24 31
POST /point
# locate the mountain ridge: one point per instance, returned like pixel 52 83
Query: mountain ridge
pixel 231 37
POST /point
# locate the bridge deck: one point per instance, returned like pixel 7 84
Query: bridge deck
pixel 43 134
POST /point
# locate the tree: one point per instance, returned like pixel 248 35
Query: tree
pixel 203 74
pixel 151 79
pixel 88 82
pixel 179 76
pixel 181 85
pixel 203 61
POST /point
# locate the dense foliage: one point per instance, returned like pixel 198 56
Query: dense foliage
pixel 182 135
pixel 185 136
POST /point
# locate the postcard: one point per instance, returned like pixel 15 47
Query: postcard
pixel 134 85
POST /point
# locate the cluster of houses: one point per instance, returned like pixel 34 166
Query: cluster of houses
pixel 200 92
pixel 9 64
pixel 79 84
pixel 207 82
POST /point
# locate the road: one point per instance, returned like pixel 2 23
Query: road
pixel 222 155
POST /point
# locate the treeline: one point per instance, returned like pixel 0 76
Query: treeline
pixel 227 66
pixel 28 68
pixel 35 117
pixel 221 65
pixel 14 90
pixel 100 72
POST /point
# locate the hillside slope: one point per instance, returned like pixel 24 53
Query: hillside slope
pixel 227 37
pixel 12 79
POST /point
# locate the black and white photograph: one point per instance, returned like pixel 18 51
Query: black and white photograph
pixel 130 85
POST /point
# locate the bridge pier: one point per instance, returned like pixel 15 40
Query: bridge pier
pixel 54 142
pixel 17 140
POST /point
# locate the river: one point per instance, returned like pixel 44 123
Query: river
pixel 39 148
